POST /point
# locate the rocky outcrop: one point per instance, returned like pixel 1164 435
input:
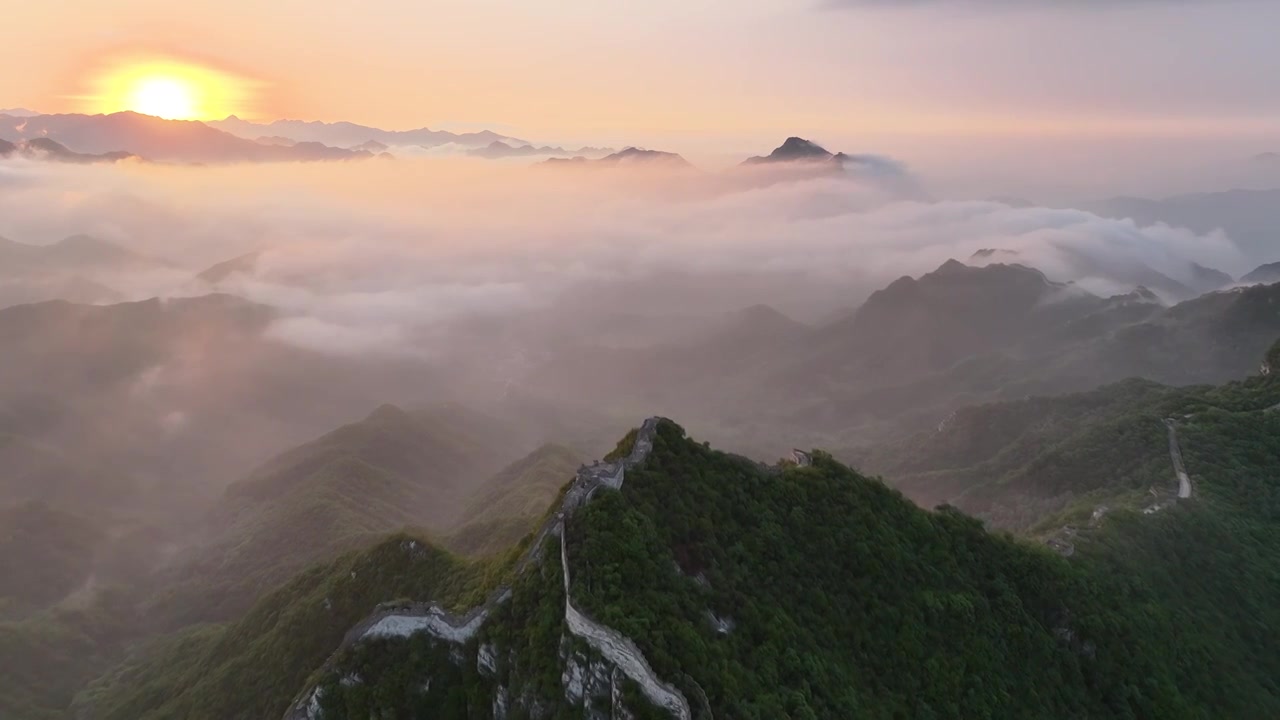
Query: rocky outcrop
pixel 625 657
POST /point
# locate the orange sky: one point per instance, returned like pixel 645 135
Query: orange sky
pixel 732 71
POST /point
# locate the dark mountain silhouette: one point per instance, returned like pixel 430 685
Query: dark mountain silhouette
pixel 74 253
pixel 372 146
pixel 243 264
pixel 1193 279
pixel 393 469
pixel 631 156
pixel 795 149
pixel 988 253
pixel 43 148
pixel 349 135
pixel 919 349
pixel 79 268
pixel 917 326
pixel 1268 273
pixel 160 140
pixel 497 150
pixel 276 140
pixel 799 159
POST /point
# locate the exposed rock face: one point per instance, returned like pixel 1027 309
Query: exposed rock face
pixel 487 660
pixel 435 620
pixel 589 682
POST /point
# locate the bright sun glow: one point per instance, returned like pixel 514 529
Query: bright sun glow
pixel 171 89
pixel 165 97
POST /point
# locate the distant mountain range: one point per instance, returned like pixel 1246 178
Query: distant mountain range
pixel 628 157
pixel 43 148
pixel 155 139
pixel 794 155
pixel 497 150
pixel 1268 273
pixel 1193 279
pixel 1249 217
pixel 349 135
pixel 391 470
pixel 79 268
pixel 77 252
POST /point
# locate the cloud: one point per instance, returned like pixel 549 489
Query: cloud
pixel 408 258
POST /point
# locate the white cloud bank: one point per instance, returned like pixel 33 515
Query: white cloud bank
pixel 378 256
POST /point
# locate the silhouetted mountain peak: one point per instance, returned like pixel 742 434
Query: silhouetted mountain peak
pixel 626 156
pixel 795 149
pixel 1268 273
pixel 242 264
pixel 987 253
pixel 388 413
pixel 762 319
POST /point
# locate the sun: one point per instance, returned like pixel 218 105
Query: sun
pixel 165 97
pixel 168 88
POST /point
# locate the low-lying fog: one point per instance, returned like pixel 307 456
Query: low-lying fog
pixel 423 280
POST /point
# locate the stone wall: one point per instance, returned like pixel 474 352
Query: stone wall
pixel 621 651
pixel 404 619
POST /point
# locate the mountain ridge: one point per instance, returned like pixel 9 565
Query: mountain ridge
pixel 159 140
pixel 347 134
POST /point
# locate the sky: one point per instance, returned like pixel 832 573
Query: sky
pixel 715 75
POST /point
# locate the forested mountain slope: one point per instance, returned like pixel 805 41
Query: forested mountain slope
pixel 508 506
pixel 349 488
pixel 1032 464
pixel 811 591
pixel 1212 339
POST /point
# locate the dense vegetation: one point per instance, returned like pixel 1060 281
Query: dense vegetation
pixel 46 658
pixel 849 601
pixel 252 668
pixel 417 677
pixel 1025 463
pixel 859 384
pixel 1031 465
pixel 345 490
pixel 815 592
pixel 44 555
pixel 794 592
pixel 511 503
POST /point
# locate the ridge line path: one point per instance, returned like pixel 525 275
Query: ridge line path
pixel 404 619
pixel 1175 453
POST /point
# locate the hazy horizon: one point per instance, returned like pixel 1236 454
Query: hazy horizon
pixel 937 82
